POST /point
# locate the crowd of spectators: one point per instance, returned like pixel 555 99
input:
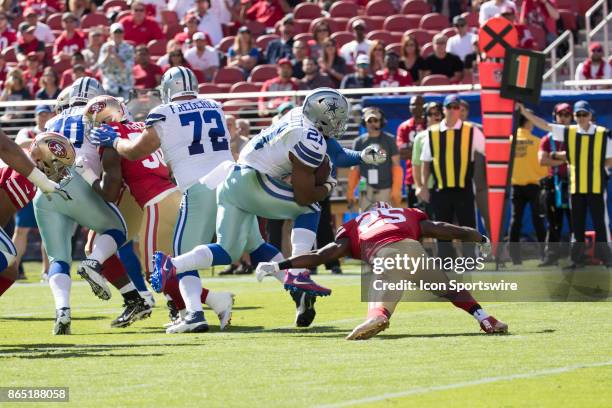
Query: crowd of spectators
pixel 46 44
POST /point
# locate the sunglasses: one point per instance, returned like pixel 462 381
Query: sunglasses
pixel 582 114
pixel 434 113
pixel 373 120
pixel 453 106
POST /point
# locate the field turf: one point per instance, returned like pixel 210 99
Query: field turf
pixel 556 355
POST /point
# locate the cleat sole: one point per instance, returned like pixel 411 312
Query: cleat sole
pixel 98 290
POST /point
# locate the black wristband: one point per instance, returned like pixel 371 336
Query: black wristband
pixel 285 265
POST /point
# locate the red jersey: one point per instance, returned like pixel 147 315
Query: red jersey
pixel 141 33
pixel 383 79
pixel 146 178
pixel 7 38
pixel 69 45
pixel 18 188
pixel 405 136
pixel 545 146
pixel 376 228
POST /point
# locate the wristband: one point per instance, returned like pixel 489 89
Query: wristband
pixel 41 181
pixel 285 265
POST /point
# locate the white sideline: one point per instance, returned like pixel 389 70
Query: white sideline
pixel 462 384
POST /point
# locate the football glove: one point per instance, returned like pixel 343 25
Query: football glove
pixel 266 269
pixel 330 183
pixel 373 154
pixel 104 135
pixel 485 246
pixel 81 166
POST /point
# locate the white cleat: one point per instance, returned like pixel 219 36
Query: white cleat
pixel 194 322
pixel 222 303
pixel 62 321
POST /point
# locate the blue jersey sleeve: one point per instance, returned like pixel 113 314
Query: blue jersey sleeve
pixel 341 157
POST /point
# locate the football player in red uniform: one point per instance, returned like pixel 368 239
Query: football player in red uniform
pixel 384 232
pixel 148 180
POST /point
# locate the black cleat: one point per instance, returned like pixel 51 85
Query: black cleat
pixel 304 308
pixel 62 321
pixel 336 270
pixel 135 309
pixel 90 270
pixel 173 312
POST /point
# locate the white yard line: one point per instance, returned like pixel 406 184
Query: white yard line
pixel 462 384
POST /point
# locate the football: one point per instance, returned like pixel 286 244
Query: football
pixel 322 172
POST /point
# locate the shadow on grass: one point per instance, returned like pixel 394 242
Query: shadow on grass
pixel 50 318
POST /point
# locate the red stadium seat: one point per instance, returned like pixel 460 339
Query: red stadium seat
pixel 263 40
pixel 381 35
pixel 372 22
pixel 299 26
pixel 419 7
pixel 307 10
pixel 256 28
pixel 303 37
pixel 54 21
pixel 400 22
pixel 245 86
pixel 210 88
pixel 169 17
pixel 171 30
pixel 157 48
pixel 471 17
pixel 342 37
pixel 334 24
pixel 449 32
pixel 108 4
pixel 9 54
pixel 570 19
pixel 228 75
pixel 126 13
pixel 263 72
pixel 420 35
pixel 434 21
pixel 394 47
pixel 61 66
pixel 426 50
pixel 381 8
pixel 343 8
pixel 94 20
pixel 435 80
pixel 225 44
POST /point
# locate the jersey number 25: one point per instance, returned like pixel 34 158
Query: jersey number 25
pixel 216 132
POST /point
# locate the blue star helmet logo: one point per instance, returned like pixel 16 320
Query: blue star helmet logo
pixel 332 107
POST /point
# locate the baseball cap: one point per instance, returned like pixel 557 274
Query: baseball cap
pixel 560 107
pixel 25 27
pixel 362 59
pixel 68 16
pixel 283 61
pixel 285 106
pixel 28 11
pixel 358 23
pixel 116 27
pixel 459 21
pixel 42 108
pixel 595 46
pixel 370 112
pixel 450 99
pixel 198 36
pixel 582 106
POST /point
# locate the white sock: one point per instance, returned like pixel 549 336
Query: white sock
pixel 191 290
pixel 127 288
pixel 480 315
pixel 198 258
pixel 60 284
pixel 104 247
pixel 302 242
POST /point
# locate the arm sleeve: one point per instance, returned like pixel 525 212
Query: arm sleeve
pixel 426 151
pixel 558 132
pixel 340 156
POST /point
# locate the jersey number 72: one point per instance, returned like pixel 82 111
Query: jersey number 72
pixel 216 131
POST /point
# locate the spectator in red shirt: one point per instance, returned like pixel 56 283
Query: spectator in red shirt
pixel 267 12
pixel 8 36
pixel 44 8
pixel 392 75
pixel 146 74
pixel 283 82
pixel 28 43
pixel 77 71
pixel 70 40
pixel 32 73
pixel 139 28
pixel 542 13
pixel 406 132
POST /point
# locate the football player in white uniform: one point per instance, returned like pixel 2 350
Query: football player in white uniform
pixel 192 135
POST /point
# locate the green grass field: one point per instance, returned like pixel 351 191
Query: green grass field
pixel 556 355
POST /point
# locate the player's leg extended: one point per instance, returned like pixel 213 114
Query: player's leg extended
pixel 133 216
pixel 56 230
pixel 8 253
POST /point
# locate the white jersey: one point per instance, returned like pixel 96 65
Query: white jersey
pixel 193 136
pixel 269 151
pixel 70 124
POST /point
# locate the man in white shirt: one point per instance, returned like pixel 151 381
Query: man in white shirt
pixel 594 67
pixel 360 45
pixel 492 8
pixel 461 44
pixel 209 23
pixel 202 56
pixel 42 32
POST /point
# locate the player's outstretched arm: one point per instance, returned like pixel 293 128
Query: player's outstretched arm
pixel 14 156
pixel 136 149
pixel 303 180
pixel 445 231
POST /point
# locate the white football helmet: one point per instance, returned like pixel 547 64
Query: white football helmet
pixel 63 100
pixel 328 110
pixel 178 81
pixel 83 90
